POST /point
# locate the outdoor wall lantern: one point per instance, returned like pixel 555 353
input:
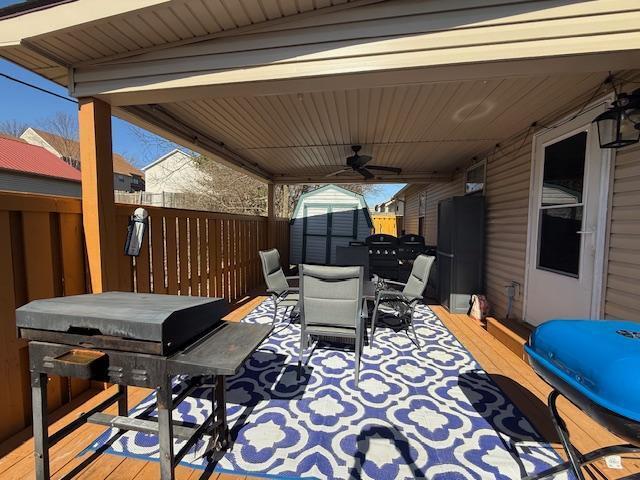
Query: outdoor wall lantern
pixel 620 125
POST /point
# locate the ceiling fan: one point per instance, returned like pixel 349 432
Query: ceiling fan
pixel 357 164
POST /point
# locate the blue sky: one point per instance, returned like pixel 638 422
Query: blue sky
pixel 24 104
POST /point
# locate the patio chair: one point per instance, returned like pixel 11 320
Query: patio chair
pixel 331 306
pixel 404 302
pixel 282 294
pixel 353 256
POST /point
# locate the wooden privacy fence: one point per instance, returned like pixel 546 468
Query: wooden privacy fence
pixel 42 255
pixel 191 252
pixel 385 223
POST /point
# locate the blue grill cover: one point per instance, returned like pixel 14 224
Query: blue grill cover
pixel 598 358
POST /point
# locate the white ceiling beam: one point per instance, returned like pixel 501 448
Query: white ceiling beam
pixel 408 177
pixel 586 63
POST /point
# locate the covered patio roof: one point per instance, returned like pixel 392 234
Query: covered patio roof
pixel 282 89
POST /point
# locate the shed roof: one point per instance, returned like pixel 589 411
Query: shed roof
pixel 20 156
pixel 358 196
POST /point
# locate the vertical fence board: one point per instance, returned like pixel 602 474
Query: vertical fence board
pixel 13 410
pixel 41 280
pixel 204 271
pixel 228 278
pixel 143 277
pixel 193 255
pixel 212 257
pixel 157 254
pixel 125 265
pixel 73 273
pixel 183 259
pixel 171 254
pixel 218 258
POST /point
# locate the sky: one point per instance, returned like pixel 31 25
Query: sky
pixel 25 104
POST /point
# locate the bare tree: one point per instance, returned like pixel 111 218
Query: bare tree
pixel 153 146
pixel 65 128
pixel 288 196
pixel 13 128
pixel 224 189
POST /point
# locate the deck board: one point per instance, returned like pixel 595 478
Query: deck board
pixel 511 373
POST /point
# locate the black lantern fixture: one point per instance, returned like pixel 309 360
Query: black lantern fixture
pixel 620 125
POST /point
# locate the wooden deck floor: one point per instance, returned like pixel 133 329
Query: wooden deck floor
pixel 512 374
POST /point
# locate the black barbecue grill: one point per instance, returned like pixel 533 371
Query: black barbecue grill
pixel 135 339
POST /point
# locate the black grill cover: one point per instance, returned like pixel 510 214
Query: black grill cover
pixel 170 319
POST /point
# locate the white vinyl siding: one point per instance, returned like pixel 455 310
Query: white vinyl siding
pixel 507 201
pixel 18 182
pixel 435 192
pixel 622 295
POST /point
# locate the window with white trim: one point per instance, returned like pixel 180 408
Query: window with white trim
pixel 474 178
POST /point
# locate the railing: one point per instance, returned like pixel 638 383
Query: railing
pixel 192 252
pixel 42 255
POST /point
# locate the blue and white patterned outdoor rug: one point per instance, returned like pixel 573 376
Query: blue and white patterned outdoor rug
pixel 418 413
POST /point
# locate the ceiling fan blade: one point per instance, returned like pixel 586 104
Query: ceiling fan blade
pixel 385 169
pixel 365 173
pixel 357 161
pixel 362 161
pixel 338 172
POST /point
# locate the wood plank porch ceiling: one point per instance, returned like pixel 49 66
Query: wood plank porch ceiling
pixel 428 130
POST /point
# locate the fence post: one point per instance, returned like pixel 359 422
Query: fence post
pixel 98 205
pixel 271 216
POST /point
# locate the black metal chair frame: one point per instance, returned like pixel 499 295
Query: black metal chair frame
pixel 576 459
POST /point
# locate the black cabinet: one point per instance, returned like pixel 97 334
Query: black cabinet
pixel 461 223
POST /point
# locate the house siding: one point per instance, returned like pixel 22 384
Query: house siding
pixel 507 201
pixel 411 207
pixel 435 192
pixel 622 293
pixel 18 182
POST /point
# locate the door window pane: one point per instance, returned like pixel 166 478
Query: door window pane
pixel 559 241
pixel 564 171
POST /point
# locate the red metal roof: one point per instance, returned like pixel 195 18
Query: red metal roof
pixel 20 156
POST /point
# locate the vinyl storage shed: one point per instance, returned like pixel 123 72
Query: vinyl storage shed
pixel 324 219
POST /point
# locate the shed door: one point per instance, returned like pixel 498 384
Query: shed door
pixel 314 242
pixel 325 228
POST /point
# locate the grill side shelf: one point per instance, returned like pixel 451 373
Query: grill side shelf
pixel 220 352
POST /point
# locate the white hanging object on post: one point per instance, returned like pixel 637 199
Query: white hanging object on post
pixel 135 232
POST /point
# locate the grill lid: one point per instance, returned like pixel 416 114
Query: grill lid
pixel 170 319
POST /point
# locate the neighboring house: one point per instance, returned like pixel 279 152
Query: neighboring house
pixel 30 168
pixel 394 205
pixel 126 177
pixel 175 172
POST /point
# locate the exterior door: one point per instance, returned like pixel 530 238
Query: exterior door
pixel 565 222
pixel 325 228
